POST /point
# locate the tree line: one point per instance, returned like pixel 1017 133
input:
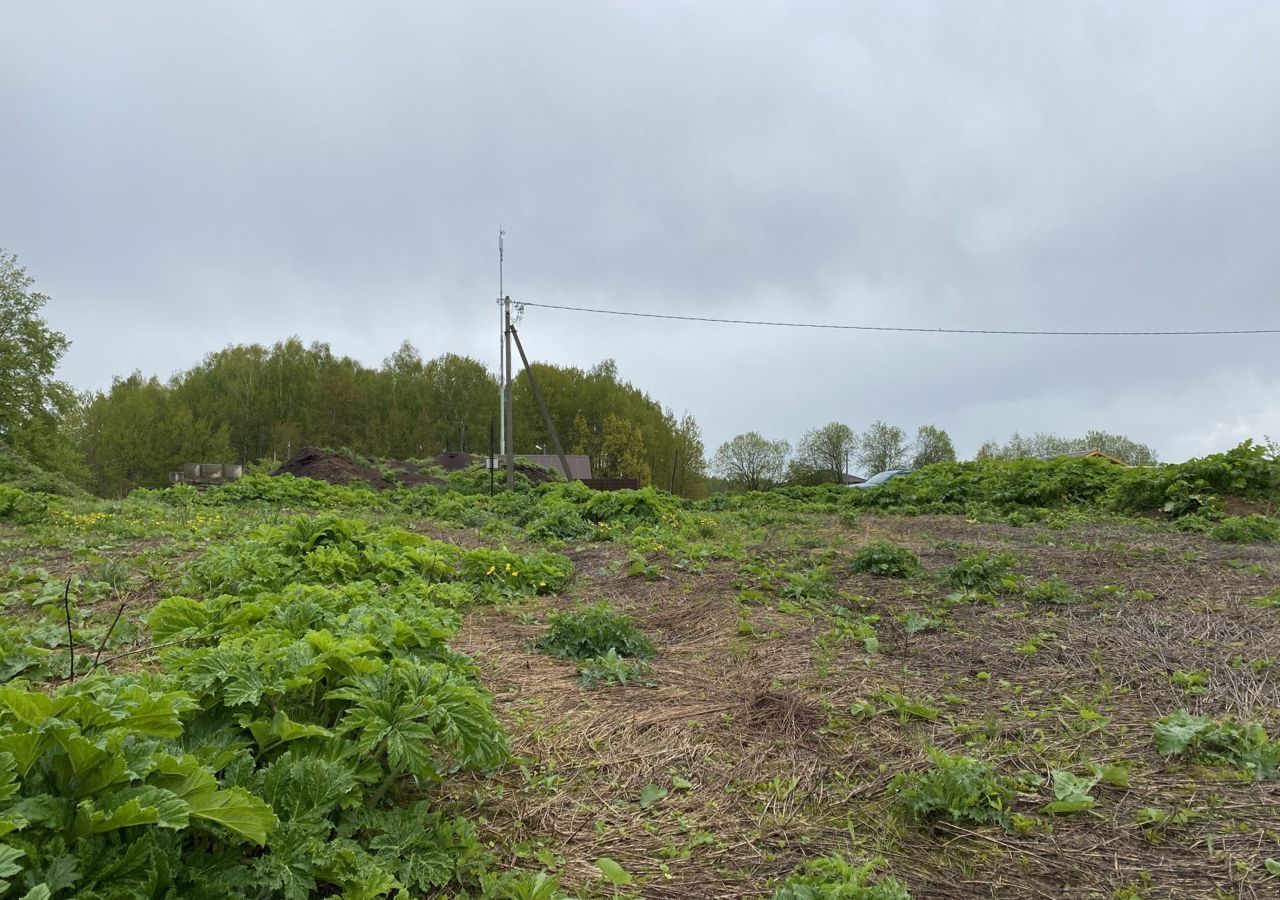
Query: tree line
pixel 826 454
pixel 254 403
pixel 830 453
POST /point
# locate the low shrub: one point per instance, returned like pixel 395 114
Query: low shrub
pixel 611 669
pixel 592 632
pixel 956 789
pixel 1051 590
pixel 16 505
pixel 983 573
pixel 806 584
pixel 1246 529
pixel 834 878
pixel 1225 742
pixel 886 558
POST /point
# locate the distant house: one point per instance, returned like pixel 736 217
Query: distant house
pixel 1082 454
pixel 579 464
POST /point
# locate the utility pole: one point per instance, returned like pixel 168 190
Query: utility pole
pixel 507 411
pixel 502 366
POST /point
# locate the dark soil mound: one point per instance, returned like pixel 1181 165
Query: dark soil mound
pixel 325 465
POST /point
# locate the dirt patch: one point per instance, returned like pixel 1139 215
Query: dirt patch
pixel 325 465
pixel 745 732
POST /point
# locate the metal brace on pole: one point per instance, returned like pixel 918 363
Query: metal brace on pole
pixel 546 415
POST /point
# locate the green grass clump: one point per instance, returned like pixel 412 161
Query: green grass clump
pixel 1246 529
pixel 886 558
pixel 611 669
pixel 834 878
pixel 1224 742
pixel 1051 590
pixel 956 789
pixel 983 573
pixel 593 632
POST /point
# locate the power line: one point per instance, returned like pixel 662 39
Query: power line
pixel 913 330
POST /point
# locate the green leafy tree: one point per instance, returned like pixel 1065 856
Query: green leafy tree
pixel 933 445
pixel 751 462
pixel 883 447
pixel 622 451
pixel 462 398
pixel 33 403
pixel 828 450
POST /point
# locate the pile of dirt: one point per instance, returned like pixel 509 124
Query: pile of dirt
pixel 325 465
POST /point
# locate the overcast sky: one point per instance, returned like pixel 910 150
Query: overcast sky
pixel 178 177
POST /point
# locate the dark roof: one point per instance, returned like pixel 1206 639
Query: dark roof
pixel 852 479
pixel 579 464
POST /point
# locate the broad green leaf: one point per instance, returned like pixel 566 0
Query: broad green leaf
pixel 245 686
pixel 920 711
pixel 9 857
pixel 1067 786
pixel 155 715
pixel 113 770
pixel 1114 775
pixel 145 805
pixel 182 775
pixel 82 755
pixel 612 872
pixel 651 795
pixel 280 728
pixel 42 809
pixel 1272 865
pixel 175 618
pixel 1176 731
pixel 61 872
pixel 8 776
pixel 26 747
pixel 32 707
pixel 88 713
pixel 236 810
pixel 39 892
pixel 1069 806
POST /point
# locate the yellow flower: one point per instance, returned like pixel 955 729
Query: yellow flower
pixel 491 570
pixel 542 584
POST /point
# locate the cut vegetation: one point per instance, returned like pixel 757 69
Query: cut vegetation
pixel 1007 678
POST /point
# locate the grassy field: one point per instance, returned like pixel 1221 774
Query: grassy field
pixel 808 698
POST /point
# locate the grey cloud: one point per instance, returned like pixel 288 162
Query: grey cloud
pixel 339 172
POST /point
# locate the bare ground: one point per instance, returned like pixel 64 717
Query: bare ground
pixel 747 725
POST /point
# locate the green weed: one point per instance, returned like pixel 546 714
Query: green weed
pixel 834 878
pixel 956 789
pixel 1224 742
pixel 983 573
pixel 887 559
pixel 592 632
